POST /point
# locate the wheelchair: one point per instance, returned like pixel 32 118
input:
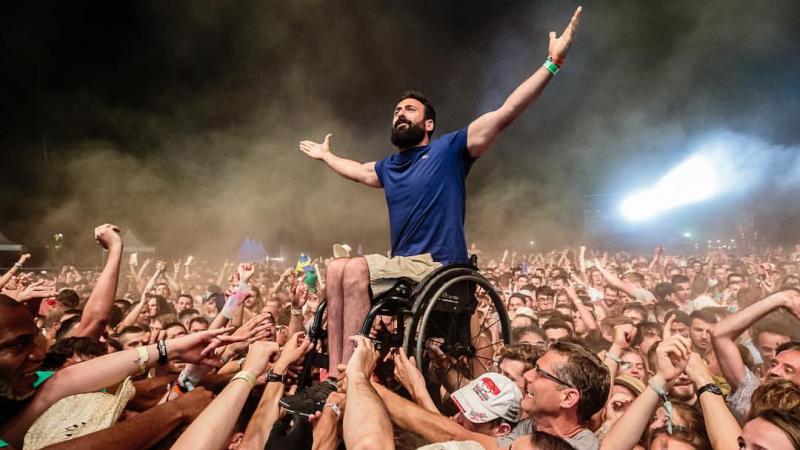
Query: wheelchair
pixel 435 319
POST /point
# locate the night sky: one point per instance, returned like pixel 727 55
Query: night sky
pixel 180 120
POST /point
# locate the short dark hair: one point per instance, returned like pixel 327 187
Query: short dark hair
pixel 130 329
pixel 556 323
pixel 67 326
pixel 704 315
pixel 69 347
pixel 430 112
pixel 676 279
pixel 198 320
pixel 636 307
pixel 517 333
pixel 545 441
pixel 69 298
pixel 587 373
pixel 662 290
pixel 788 346
pixel 186 313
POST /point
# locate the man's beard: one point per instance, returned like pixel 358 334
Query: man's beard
pixel 408 136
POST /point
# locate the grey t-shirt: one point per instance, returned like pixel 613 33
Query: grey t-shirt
pixel 583 440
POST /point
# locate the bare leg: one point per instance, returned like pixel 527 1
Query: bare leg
pixel 335 302
pixel 356 295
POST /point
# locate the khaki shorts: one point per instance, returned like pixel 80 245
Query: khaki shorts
pixel 384 272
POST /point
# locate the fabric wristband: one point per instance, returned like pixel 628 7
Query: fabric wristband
pixel 297 312
pixel 614 358
pixel 665 399
pixel 143 358
pixel 335 408
pixel 18 265
pixel 246 376
pixel 551 66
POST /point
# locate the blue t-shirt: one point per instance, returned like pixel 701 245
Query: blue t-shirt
pixel 426 196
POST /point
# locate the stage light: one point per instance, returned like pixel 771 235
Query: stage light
pixel 687 235
pixel 692 181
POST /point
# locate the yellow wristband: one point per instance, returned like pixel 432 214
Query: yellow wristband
pixel 246 376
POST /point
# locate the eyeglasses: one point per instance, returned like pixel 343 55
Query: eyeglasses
pixel 543 373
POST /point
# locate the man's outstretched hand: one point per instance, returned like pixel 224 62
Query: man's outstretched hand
pixel 315 149
pixel 559 46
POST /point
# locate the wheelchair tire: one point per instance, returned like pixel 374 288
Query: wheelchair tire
pixel 432 319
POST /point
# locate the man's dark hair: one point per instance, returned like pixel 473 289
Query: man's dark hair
pixel 556 323
pixel 677 279
pixel 130 329
pixel 788 346
pixel 174 324
pixel 733 275
pixel 545 290
pixel 198 320
pixel 430 112
pixel 645 329
pixel 704 315
pixel 636 307
pixel 123 304
pixel 545 441
pixel 775 324
pixel 587 373
pixel 662 290
pixel 71 346
pixel 680 317
pixel 69 298
pixel 517 333
pixel 186 313
pixel 664 306
pixel 115 316
pixel 67 326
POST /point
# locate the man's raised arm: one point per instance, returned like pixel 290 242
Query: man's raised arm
pixel 98 307
pixel 483 131
pixel 352 170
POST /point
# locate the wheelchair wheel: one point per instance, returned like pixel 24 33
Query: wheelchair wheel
pixel 445 326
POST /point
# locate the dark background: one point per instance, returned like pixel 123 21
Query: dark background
pixel 180 120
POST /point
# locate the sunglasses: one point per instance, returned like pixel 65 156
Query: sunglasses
pixel 543 373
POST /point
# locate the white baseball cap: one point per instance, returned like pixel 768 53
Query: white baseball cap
pixel 488 397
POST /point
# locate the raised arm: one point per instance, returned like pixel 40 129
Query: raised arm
pixel 13 270
pixel 215 424
pixel 722 428
pixel 614 280
pixel 110 369
pixel 483 131
pixel 98 307
pixel 725 332
pixel 352 170
pixel 673 355
pixel 366 422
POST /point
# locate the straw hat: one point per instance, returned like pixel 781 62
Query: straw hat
pixel 78 415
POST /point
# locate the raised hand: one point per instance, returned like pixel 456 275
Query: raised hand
pixel 23 258
pixel 317 150
pixel 792 302
pixel 364 358
pixel 672 357
pixel 107 235
pixel 246 271
pixel 406 372
pixel 161 266
pixel 39 289
pixel 258 355
pixel 295 348
pixel 198 348
pixel 559 46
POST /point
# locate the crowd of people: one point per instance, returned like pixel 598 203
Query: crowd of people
pixel 612 351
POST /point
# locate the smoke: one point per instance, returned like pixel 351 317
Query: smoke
pixel 181 120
